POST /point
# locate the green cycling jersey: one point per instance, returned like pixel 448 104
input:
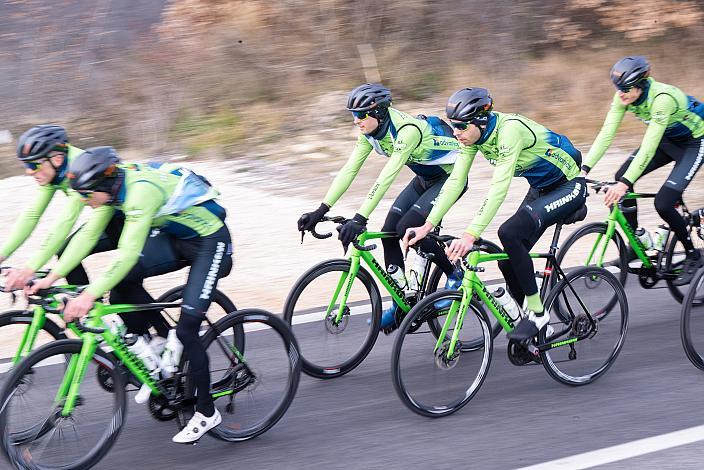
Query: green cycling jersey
pixel 409 141
pixel 149 198
pixel 666 110
pixel 516 146
pixel 28 220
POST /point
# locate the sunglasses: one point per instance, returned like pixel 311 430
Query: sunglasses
pixel 361 115
pixel 460 126
pixel 86 194
pixel 33 166
pixel 624 89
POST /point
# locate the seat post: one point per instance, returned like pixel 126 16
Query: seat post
pixel 555 238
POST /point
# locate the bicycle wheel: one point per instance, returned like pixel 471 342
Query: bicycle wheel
pixel 576 251
pixel 438 278
pixel 674 257
pixel 586 289
pixel 254 390
pixel 427 381
pixel 692 322
pixel 34 435
pixel 328 348
pixel 13 325
pixel 220 306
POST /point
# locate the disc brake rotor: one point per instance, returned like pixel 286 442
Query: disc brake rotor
pixel 441 359
pixel 334 327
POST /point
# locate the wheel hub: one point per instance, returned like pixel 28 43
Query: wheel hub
pixel 581 325
pixel 441 358
pixel 334 327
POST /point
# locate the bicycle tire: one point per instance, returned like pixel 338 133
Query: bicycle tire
pixel 257 317
pixel 21 458
pixel 588 272
pixel 689 308
pixel 337 368
pixel 423 308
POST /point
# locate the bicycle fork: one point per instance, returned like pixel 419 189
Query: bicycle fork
pixel 30 334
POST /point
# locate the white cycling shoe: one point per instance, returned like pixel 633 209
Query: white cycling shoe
pixel 197 427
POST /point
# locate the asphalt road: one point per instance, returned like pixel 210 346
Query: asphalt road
pixel 520 417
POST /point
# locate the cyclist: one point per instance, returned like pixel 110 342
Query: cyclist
pixel 45 152
pixel 426 146
pixel 675 133
pixel 516 146
pixel 181 204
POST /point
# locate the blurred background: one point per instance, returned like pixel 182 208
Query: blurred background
pixel 253 92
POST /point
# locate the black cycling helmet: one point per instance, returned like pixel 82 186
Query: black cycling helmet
pixel 92 168
pixel 629 72
pixel 37 142
pixel 367 97
pixel 469 105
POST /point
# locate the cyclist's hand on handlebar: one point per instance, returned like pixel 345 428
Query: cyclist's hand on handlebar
pixel 415 234
pixel 39 284
pixel 614 193
pixel 460 247
pixel 18 278
pixel 78 307
pixel 309 220
pixel 351 230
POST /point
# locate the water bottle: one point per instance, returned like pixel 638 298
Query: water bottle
pixel 660 236
pixel 507 302
pixel 644 237
pixel 172 354
pixel 142 350
pixel 397 275
pixel 417 272
pixel 115 325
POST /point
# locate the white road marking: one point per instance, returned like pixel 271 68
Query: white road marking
pixel 624 451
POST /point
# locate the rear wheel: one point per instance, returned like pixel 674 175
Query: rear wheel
pixel 252 390
pixel 583 350
pixel 692 322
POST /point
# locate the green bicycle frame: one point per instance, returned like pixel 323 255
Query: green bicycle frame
pixel 617 217
pixel 29 337
pixel 347 279
pixel 471 285
pixel 76 370
pixel 69 390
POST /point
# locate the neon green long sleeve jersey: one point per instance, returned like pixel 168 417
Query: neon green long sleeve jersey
pixel 516 146
pixel 408 141
pixel 28 220
pixel 143 197
pixel 665 109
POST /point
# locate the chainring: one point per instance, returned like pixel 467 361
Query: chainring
pixel 160 407
pixel 518 354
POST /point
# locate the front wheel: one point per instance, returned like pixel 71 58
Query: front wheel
pixel 591 328
pixel 35 434
pixel 333 340
pixel 692 322
pixel 430 380
pixel 251 390
pixel 674 257
pixel 14 325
